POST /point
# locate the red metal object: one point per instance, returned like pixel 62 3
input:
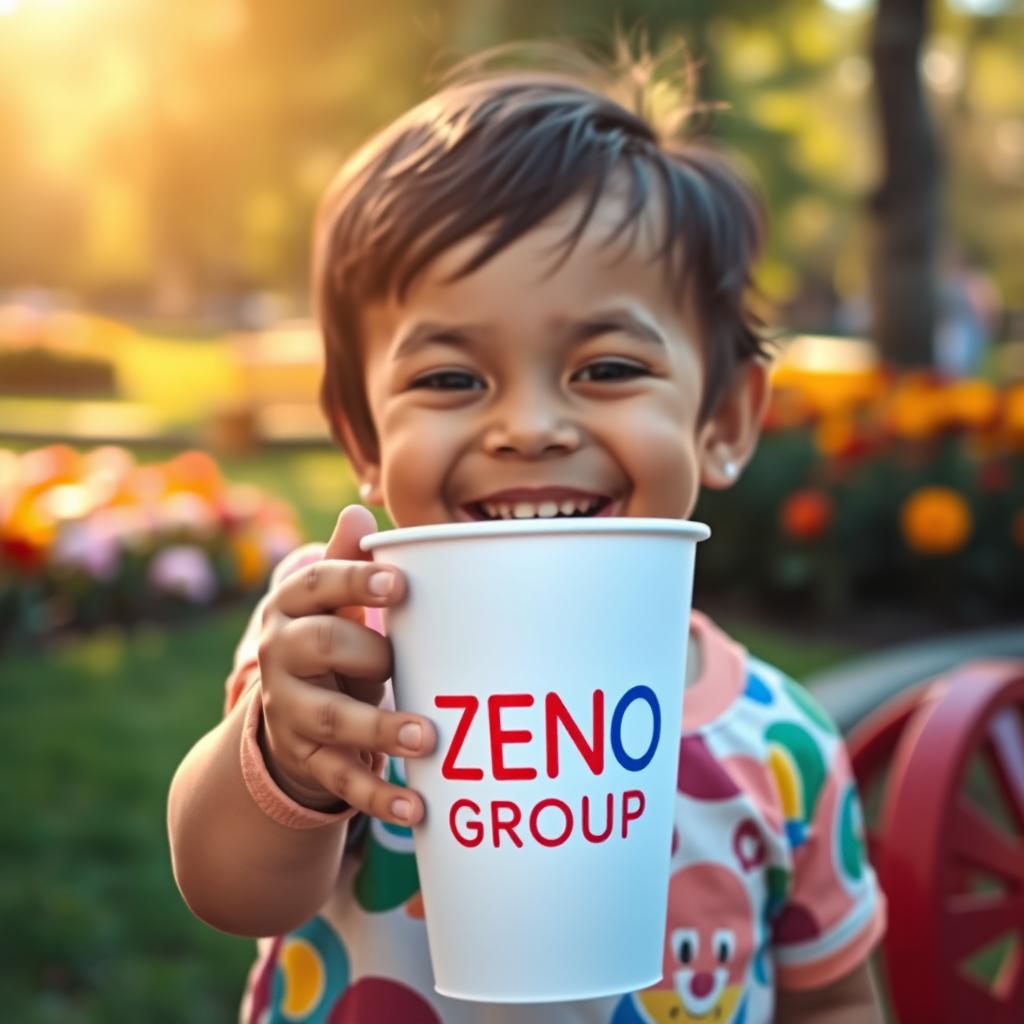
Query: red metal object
pixel 936 836
pixel 872 745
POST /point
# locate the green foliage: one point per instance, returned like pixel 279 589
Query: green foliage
pixel 863 556
pixel 192 145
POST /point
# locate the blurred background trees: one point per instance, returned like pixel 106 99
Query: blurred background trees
pixel 159 157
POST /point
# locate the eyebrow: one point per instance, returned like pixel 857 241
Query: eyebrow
pixel 458 336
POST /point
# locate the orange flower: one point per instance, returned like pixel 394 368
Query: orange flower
pixel 912 413
pixel 1013 414
pixel 936 521
pixel 142 486
pixel 806 515
pixel 836 435
pixel 973 404
pixel 46 467
pixel 197 472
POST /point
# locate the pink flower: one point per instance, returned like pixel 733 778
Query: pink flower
pixel 131 525
pixel 188 513
pixel 87 546
pixel 277 540
pixel 183 570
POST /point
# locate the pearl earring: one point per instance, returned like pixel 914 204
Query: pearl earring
pixel 730 469
pixel 364 491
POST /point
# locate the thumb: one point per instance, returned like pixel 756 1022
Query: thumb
pixel 354 523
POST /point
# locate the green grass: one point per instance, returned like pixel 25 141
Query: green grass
pixel 92 731
pixel 792 653
pixel 96 930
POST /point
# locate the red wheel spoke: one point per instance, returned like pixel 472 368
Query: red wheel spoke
pixel 982 844
pixel 1009 982
pixel 974 920
pixel 1005 749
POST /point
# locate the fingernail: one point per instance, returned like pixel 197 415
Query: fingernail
pixel 381 583
pixel 401 808
pixel 411 735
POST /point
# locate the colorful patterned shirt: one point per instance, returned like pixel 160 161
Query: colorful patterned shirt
pixel 770 886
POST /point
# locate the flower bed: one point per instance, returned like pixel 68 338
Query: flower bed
pixel 873 487
pixel 94 538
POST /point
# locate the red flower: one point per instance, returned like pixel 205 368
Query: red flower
pixel 994 477
pixel 22 553
pixel 806 515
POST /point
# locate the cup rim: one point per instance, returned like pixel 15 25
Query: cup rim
pixel 683 528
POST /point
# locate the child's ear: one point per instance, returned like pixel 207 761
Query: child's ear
pixel 369 487
pixel 728 438
pixel 366 471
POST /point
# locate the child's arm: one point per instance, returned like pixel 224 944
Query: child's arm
pixel 852 999
pixel 834 911
pixel 257 810
pixel 237 868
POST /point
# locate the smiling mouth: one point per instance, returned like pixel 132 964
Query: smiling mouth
pixel 566 508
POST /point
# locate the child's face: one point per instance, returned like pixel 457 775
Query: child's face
pixel 582 381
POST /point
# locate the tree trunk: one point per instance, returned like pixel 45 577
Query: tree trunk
pixel 905 208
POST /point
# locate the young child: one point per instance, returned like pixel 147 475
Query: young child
pixel 532 305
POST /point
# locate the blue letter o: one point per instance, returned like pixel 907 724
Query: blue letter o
pixel 635 764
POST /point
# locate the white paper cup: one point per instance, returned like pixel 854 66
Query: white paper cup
pixel 514 638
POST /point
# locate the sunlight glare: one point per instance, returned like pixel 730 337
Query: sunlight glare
pixel 982 8
pixel 848 6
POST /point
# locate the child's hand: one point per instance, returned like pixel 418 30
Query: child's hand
pixel 322 677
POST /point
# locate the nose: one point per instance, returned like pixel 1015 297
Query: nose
pixel 701 983
pixel 531 427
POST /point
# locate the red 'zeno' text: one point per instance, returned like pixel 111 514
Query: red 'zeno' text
pixel 556 721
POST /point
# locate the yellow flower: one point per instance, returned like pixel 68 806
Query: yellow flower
pixel 250 560
pixel 936 521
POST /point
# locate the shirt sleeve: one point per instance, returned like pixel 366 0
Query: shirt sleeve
pixel 834 913
pixel 243 671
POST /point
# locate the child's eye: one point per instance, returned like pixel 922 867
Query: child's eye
pixel 447 380
pixel 611 370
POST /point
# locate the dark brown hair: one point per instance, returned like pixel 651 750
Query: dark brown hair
pixel 504 149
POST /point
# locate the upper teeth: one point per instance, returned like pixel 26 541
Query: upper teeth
pixel 543 510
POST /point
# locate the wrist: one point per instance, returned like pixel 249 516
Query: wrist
pixel 267 794
pixel 315 799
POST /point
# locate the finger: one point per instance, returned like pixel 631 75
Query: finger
pixel 354 523
pixel 336 719
pixel 343 774
pixel 326 586
pixel 316 644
